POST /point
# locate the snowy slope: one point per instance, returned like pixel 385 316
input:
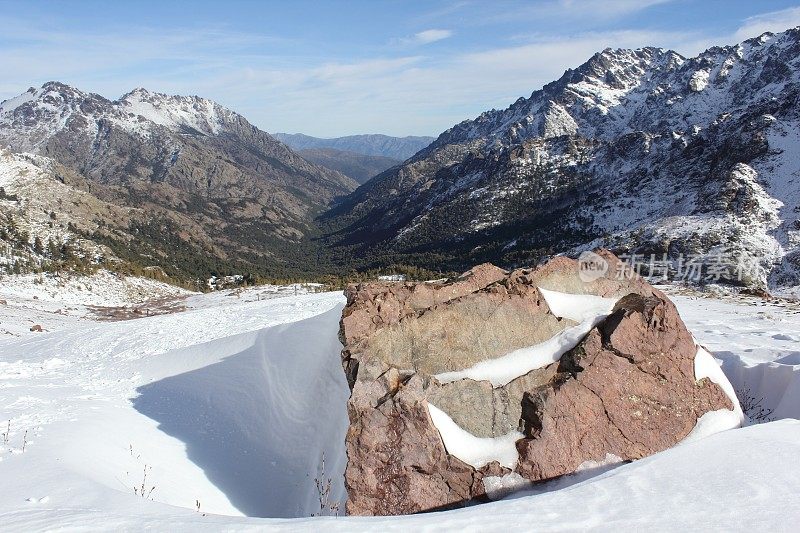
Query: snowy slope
pixel 757 343
pixel 704 486
pixel 41 204
pixel 103 401
pixel 57 302
pixel 177 112
pixel 37 114
pixel 233 402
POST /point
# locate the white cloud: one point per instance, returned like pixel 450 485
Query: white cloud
pixel 426 37
pixel 411 94
pixel 607 8
pixel 417 95
pixel 574 13
pixel 397 93
pixel 774 21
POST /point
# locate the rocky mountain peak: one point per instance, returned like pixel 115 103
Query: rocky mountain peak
pixel 212 181
pixel 52 95
pixel 62 88
pixel 619 68
pixel 630 150
pixel 565 105
pixel 176 112
pixel 55 106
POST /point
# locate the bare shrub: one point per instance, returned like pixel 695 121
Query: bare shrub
pixel 141 490
pixel 324 484
pixel 753 406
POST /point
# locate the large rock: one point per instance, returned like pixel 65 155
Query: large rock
pixel 626 388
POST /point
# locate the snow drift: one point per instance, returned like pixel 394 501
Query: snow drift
pixel 230 406
pixel 259 421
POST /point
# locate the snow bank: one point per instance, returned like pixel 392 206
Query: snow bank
pixel 259 421
pixel 102 288
pixel 474 450
pixel 71 392
pixel 705 366
pixel 771 388
pixel 577 307
pixel 757 342
pixel 230 405
pixel 744 480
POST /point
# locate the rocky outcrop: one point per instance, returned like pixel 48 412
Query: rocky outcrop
pixel 627 389
pixel 625 386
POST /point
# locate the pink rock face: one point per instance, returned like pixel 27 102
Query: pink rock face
pixel 626 389
pixel 397 463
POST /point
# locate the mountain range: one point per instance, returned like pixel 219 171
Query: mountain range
pixel 360 157
pixel 360 167
pixel 202 189
pixel 399 148
pixel 641 151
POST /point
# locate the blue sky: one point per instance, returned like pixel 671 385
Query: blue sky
pixel 338 68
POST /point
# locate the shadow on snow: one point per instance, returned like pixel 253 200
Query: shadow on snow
pixel 258 421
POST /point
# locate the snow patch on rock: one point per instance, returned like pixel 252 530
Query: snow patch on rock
pixel 475 451
pixel 509 367
pixel 558 122
pixel 588 310
pixel 698 81
pixel 705 366
pixel 577 307
pixel 499 487
pixel 176 112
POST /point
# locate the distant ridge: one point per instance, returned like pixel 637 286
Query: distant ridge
pixel 360 167
pixel 400 148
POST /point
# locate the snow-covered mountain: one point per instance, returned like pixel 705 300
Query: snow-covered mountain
pixel 217 190
pixel 373 144
pixel 643 151
pixel 44 213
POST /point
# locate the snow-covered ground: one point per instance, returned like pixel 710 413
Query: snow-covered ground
pixel 56 302
pixel 232 403
pixel 758 343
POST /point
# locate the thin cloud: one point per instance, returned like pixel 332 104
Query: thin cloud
pixel 561 12
pixel 426 37
pixel 412 94
pixel 418 95
pixel 397 92
pixel 774 21
pixel 607 8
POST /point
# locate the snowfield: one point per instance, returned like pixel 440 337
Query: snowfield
pixel 219 416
